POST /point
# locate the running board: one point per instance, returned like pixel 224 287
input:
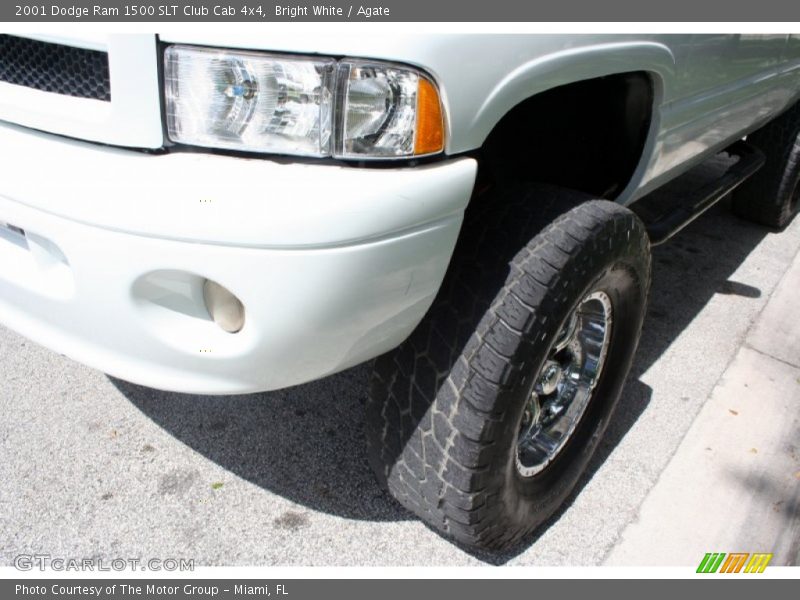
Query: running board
pixel 750 160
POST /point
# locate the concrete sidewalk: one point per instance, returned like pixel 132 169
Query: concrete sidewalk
pixel 733 485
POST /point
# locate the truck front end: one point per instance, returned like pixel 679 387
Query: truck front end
pixel 207 220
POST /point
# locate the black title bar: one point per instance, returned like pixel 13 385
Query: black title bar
pixel 400 10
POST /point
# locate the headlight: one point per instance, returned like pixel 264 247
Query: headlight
pixel 248 101
pixel 258 102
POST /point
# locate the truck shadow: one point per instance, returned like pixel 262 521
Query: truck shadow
pixel 306 443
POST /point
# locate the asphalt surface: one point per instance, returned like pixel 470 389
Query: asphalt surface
pixel 96 467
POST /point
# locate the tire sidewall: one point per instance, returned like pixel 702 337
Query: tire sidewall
pixel 622 275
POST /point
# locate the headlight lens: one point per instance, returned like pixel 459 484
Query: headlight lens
pixel 258 102
pixel 248 101
pixel 379 111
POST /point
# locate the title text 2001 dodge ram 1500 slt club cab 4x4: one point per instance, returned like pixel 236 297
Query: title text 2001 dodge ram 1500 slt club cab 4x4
pixel 234 213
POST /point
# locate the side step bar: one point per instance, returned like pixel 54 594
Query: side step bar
pixel 750 160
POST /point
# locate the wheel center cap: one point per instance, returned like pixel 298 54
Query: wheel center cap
pixel 551 377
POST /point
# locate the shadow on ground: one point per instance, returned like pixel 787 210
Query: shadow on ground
pixel 306 443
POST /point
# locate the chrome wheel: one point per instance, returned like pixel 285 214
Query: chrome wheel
pixel 564 385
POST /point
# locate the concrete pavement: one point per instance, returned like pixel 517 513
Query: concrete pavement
pixel 733 485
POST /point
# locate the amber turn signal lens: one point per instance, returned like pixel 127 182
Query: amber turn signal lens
pixel 430 123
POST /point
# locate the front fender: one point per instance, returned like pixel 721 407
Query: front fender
pixel 568 66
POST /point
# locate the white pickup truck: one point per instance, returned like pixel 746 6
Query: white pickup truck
pixel 225 214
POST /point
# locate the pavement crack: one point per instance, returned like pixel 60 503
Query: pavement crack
pixel 771 356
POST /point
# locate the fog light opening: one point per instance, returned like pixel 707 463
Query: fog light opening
pixel 225 309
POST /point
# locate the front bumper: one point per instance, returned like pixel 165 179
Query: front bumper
pixel 334 265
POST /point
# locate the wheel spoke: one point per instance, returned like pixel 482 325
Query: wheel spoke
pixel 567 334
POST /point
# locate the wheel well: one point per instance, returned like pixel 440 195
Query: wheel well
pixel 587 136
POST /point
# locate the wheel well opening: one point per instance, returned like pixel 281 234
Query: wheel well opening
pixel 586 136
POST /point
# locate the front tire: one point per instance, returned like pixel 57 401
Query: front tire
pixel 450 409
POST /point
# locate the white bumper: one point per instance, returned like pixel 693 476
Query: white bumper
pixel 334 265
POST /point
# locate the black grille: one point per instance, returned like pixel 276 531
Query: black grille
pixel 54 68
